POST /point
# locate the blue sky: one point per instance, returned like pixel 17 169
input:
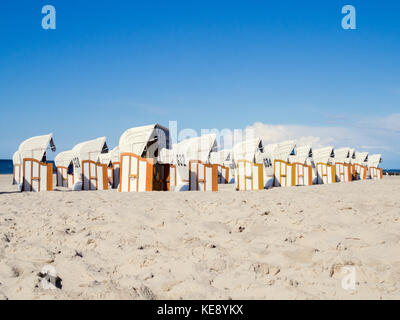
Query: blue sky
pixel 287 65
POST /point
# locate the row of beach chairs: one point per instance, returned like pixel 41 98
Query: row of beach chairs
pixel 144 160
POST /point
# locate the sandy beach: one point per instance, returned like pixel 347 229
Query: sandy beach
pixel 284 243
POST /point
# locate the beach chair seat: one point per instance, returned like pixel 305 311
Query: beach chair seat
pixel 249 176
pixel 94 175
pixel 284 174
pixel 62 176
pixel 326 173
pixel 202 177
pixel 161 177
pixel 359 172
pixel 303 174
pixel 136 173
pixel 343 172
pixel 37 176
pixel 113 175
pixel 376 173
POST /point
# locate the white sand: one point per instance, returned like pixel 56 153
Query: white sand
pixel 285 243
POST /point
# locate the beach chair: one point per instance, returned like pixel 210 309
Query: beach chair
pixel 94 175
pixel 202 177
pixel 185 157
pixel 37 176
pixel 376 173
pixel 303 174
pixel 161 177
pixel 136 173
pixel 63 161
pixel 226 166
pixel 87 173
pixel 249 176
pixel 326 173
pixel 359 172
pixel 280 152
pixel 62 176
pixel 343 172
pixel 111 159
pixel 284 174
pixel 146 143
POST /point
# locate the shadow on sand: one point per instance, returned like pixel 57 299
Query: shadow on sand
pixel 9 192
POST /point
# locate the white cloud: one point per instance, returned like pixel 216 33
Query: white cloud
pixel 390 123
pixel 380 135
